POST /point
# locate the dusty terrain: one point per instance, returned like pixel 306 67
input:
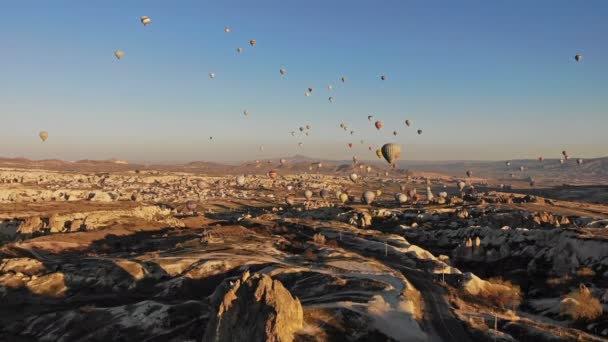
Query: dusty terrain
pixel 105 252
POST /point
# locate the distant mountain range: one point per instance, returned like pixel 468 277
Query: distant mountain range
pixel 592 171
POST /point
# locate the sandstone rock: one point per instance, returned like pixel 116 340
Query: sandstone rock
pixel 256 308
pixel 30 225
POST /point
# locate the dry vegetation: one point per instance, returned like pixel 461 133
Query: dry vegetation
pixel 503 293
pixel 581 305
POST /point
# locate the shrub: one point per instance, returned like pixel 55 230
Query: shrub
pixel 585 272
pixel 503 293
pixel 581 305
pixel 319 238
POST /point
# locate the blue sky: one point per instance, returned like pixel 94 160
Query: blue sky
pixel 483 79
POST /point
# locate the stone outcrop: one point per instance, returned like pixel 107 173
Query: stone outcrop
pixel 255 308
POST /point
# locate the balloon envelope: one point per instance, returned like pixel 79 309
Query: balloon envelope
pixel 43 135
pixel 391 152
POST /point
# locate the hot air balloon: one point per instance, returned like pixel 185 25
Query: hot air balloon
pixel 368 197
pixel 540 159
pixel 227 29
pixel 283 72
pixel 522 168
pixel 119 54
pixel 300 144
pixel 201 184
pixel 564 152
pixel 343 198
pixel 145 20
pixel 378 124
pixel 391 152
pixel 370 118
pixel 301 129
pixel 331 99
pixel 319 165
pixel 330 87
pixel 282 161
pixel 354 159
pixel 240 180
pixel 272 174
pixel 353 177
pixel 239 50
pixel 352 132
pixel 246 112
pixel 561 161
pixel 43 136
pixel 408 123
pixel 461 185
pixel 401 198
pixel 308 195
pixel 191 205
pixel 350 145
pixel 419 132
pixel 252 42
pixel 343 79
pixel 579 161
pixel 210 138
pixel 306 94
pixel 578 58
pixel 368 169
pixel 469 173
pixel 310 89
pixel 508 163
pixel 395 133
pixel 211 75
pixel 379 153
pixel 324 194
pixel 290 199
pixel 443 194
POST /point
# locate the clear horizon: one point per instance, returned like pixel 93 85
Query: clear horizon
pixel 483 80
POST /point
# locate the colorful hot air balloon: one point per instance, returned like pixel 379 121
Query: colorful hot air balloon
pixel 343 79
pixel 368 197
pixel 308 195
pixel 43 136
pixel 408 123
pixel 239 50
pixel 540 159
pixel 290 199
pixel 227 29
pixel 383 77
pixel 324 193
pixel 350 145
pixel 246 112
pixel 240 180
pixel 379 153
pixel 252 42
pixel 353 177
pixel 283 72
pixel 395 133
pixel 378 124
pixel 578 58
pixel 419 132
pixel 401 198
pixel 343 198
pixel 330 87
pixel 211 75
pixel 145 20
pixel 331 99
pixel 391 152
pixel 119 54
pixel 579 161
pixel 370 118
pixel 469 173
pixel 461 185
pixel 272 174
